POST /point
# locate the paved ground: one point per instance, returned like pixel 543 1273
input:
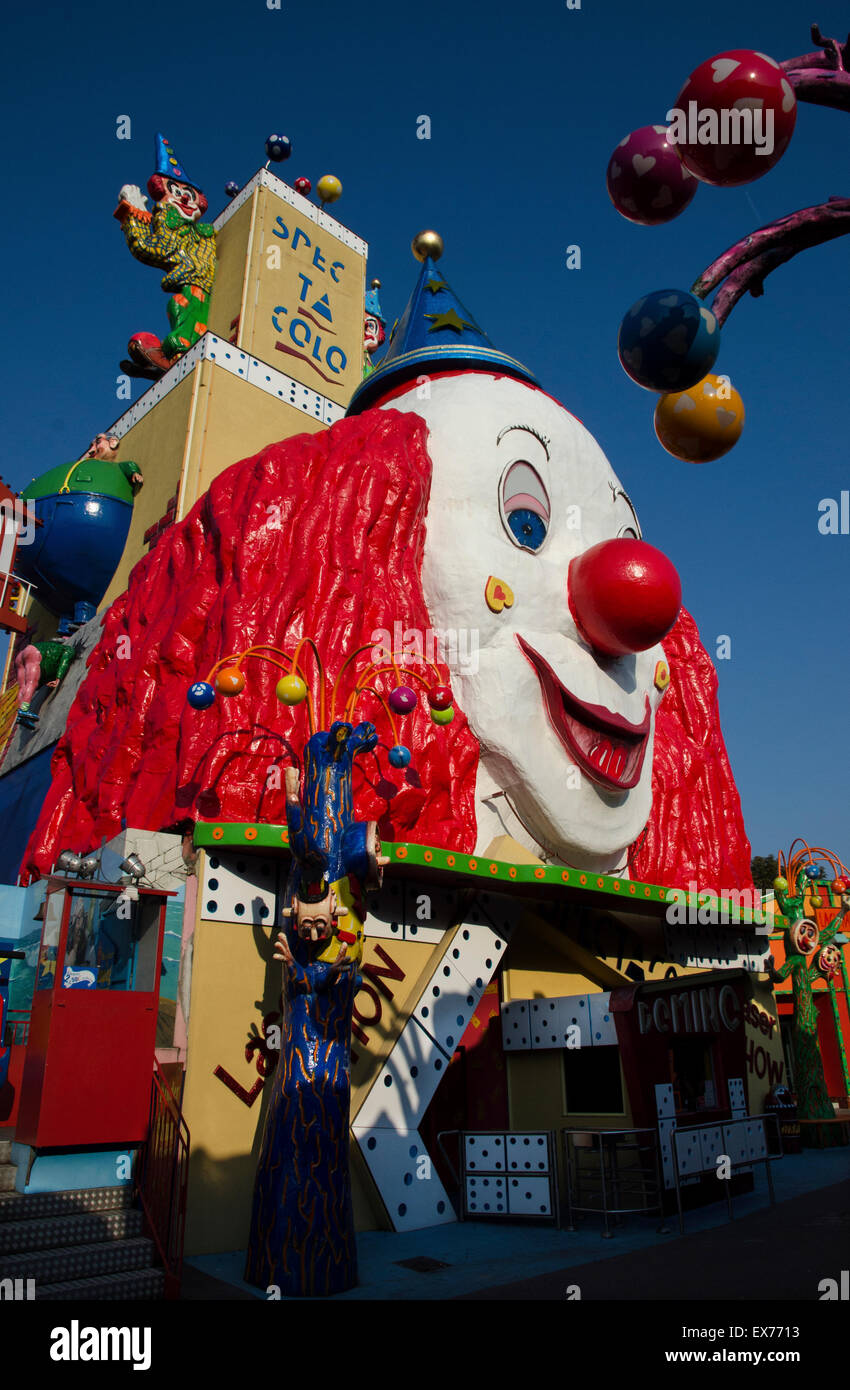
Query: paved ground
pixel 779 1253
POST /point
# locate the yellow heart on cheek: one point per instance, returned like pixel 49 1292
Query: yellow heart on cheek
pixel 498 594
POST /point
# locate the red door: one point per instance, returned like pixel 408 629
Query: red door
pixel 87 1075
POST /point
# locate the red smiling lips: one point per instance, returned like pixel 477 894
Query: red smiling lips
pixel 606 747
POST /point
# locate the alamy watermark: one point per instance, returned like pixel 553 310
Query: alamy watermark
pixel 19 515
pixel 455 647
pixel 736 125
pixel 703 907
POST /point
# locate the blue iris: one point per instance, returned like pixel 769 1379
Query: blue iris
pixel 528 527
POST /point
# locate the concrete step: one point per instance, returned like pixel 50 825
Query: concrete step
pixel 80 1261
pixel 8 1172
pixel 34 1206
pixel 5 1151
pixel 134 1284
pixel 57 1232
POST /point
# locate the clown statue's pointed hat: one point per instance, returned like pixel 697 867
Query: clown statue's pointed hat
pixel 168 165
pixel 435 333
pixel 373 303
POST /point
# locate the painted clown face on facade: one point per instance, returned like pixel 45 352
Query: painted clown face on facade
pixel 522 502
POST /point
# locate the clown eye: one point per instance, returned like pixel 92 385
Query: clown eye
pixel 524 506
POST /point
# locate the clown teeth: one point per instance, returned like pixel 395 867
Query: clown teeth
pixel 601 755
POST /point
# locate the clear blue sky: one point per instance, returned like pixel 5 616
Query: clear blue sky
pixel 526 102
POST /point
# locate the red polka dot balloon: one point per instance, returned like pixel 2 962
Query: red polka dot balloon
pixel 733 118
pixel 647 181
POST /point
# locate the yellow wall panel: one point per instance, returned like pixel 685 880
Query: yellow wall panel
pixel 304 310
pixel 378 1018
pixel 234 420
pixel 157 444
pixel 232 246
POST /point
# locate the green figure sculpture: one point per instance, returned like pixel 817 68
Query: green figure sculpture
pixel 804 942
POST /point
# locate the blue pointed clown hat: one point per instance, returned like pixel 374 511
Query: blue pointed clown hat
pixel 436 332
pixel 168 164
pixel 373 304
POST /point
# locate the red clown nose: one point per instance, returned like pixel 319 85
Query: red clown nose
pixel 624 596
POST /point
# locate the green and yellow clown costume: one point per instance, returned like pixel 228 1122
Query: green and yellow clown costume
pixel 185 249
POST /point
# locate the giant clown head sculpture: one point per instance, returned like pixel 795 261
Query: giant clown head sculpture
pixel 549 608
pixel 458 500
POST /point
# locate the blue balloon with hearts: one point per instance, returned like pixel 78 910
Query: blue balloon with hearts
pixel 200 695
pixel 668 341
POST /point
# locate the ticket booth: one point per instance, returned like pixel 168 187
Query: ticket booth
pixel 87 1074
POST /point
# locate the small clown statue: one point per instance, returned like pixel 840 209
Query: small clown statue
pixel 104 447
pixel 173 237
pixel 373 327
pixel 36 665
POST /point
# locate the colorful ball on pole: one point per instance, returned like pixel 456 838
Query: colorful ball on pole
pixel 443 716
pixel 647 181
pixel 668 341
pixel 200 695
pixel 303 186
pixel 399 756
pixel 839 885
pixel 439 697
pixel 328 188
pixel 701 424
pixel 291 690
pixel 735 117
pixel 230 681
pixel 403 700
pixel 231 189
pixel 278 148
pixel 427 244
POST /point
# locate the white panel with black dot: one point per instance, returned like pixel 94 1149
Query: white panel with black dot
pixel 239 888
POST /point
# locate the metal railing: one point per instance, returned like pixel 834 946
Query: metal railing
pixel 17 1030
pixel 623 1177
pixel 162 1179
pixel 723 1140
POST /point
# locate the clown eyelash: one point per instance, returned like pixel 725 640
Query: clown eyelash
pixel 529 429
pixel 621 492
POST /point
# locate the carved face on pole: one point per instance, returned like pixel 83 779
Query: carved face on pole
pixel 805 936
pixel 522 493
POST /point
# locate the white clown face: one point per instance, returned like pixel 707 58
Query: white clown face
pixel 519 490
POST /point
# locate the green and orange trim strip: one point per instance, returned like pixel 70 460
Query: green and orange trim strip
pixel 213 835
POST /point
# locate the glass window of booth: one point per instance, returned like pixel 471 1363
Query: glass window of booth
pixel 46 975
pixel 111 944
pixel 691 1065
pixel 593 1081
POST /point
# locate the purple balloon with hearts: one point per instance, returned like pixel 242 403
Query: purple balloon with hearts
pixel 647 181
pixel 403 700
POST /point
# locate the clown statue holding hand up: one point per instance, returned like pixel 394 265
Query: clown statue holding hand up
pixel 173 237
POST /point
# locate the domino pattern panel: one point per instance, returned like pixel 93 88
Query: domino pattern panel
pixel 239 889
pixel 508 1174
pixel 573 1020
